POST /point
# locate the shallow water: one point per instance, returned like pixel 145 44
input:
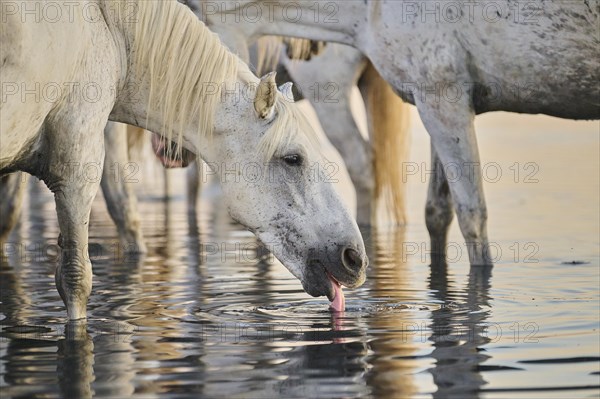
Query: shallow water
pixel 208 313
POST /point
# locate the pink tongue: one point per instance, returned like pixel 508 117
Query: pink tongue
pixel 339 301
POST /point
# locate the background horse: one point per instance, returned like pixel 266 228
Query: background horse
pixel 453 63
pixel 204 98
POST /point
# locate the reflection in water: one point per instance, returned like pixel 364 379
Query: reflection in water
pixel 75 361
pixel 114 364
pixel 459 331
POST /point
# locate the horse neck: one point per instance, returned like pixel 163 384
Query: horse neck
pixel 324 20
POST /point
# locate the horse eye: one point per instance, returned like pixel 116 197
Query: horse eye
pixel 293 160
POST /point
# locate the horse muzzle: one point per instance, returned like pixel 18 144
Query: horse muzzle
pixel 346 266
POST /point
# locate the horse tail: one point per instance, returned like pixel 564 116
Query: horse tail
pixel 389 126
pixel 135 141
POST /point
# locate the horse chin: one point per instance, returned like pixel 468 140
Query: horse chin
pixel 320 280
pixel 316 281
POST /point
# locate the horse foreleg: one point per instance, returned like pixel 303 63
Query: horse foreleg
pixel 438 210
pixel 12 187
pixel 120 199
pixel 73 158
pixel 450 125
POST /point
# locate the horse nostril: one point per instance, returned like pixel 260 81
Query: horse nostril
pixel 351 259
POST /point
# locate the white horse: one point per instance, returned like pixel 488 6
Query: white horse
pixel 152 64
pixel 453 61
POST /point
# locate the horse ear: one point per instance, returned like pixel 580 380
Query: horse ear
pixel 266 93
pixel 286 90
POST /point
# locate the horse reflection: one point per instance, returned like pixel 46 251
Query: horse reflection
pixel 38 365
pixel 459 332
pixel 75 361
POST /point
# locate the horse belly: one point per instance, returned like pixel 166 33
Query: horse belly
pixel 550 66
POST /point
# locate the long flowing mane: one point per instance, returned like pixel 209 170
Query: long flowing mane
pixel 186 64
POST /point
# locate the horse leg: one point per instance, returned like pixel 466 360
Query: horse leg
pixel 12 187
pixel 74 272
pixel 452 131
pixel 438 211
pixel 345 136
pixel 120 199
pixel 71 166
pixel 193 186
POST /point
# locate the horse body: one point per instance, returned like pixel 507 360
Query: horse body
pixel 197 94
pixel 549 48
